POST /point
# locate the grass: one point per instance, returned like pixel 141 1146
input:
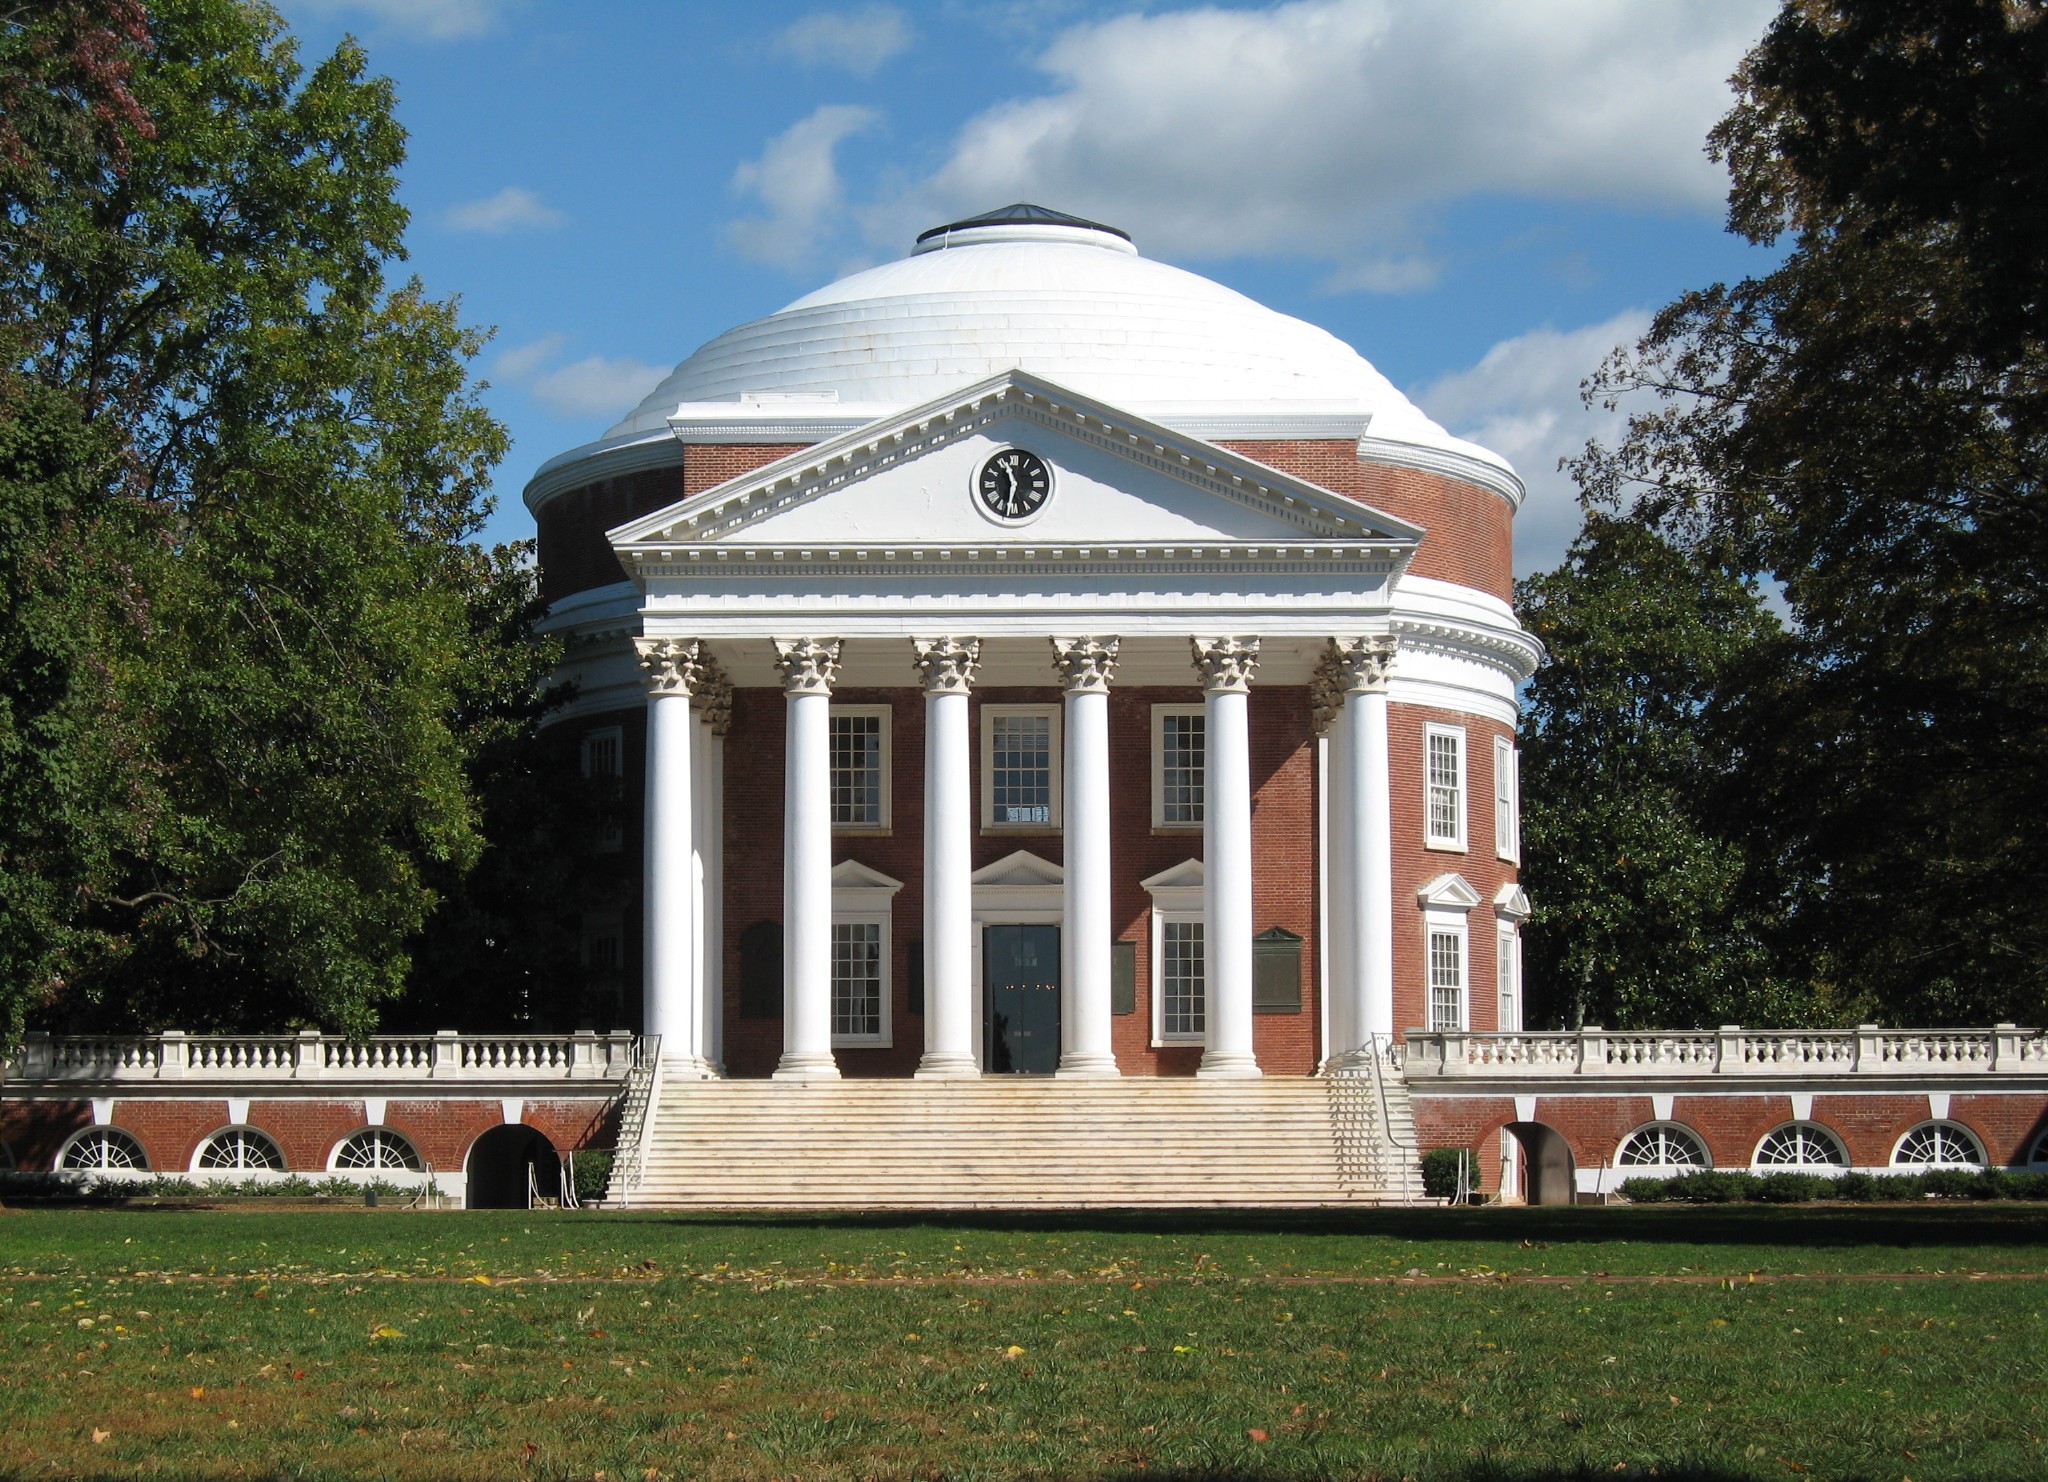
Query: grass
pixel 1734 1342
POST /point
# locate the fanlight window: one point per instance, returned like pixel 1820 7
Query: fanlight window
pixel 104 1150
pixel 2039 1155
pixel 375 1150
pixel 1663 1145
pixel 1801 1145
pixel 241 1150
pixel 1938 1145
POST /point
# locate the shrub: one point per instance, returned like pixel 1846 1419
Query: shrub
pixel 1791 1188
pixel 1645 1190
pixel 1712 1186
pixel 1953 1183
pixel 1861 1188
pixel 592 1170
pixel 1440 1169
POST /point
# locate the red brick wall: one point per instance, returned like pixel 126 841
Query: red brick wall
pixel 707 465
pixel 36 1131
pixel 307 1131
pixel 1283 836
pixel 1470 530
pixel 1415 864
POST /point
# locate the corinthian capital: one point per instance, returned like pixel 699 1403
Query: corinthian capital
pixel 1358 666
pixel 711 692
pixel 1085 664
pixel 808 665
pixel 667 664
pixel 947 664
pixel 1225 664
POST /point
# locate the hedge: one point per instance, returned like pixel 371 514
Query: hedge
pixel 1733 1186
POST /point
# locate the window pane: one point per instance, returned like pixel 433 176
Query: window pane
pixel 857 979
pixel 1184 999
pixel 1509 1014
pixel 1446 799
pixel 856 769
pixel 1020 784
pixel 1446 980
pixel 1180 768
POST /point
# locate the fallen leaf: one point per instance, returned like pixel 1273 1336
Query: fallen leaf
pixel 198 1391
pixel 387 1331
pixel 1258 1435
pixel 1013 1351
pixel 99 1436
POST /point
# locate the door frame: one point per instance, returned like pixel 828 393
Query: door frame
pixel 983 921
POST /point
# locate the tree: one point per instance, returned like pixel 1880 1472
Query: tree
pixel 240 474
pixel 1867 424
pixel 1647 910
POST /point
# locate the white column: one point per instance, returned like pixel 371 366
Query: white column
pixel 808 666
pixel 1340 885
pixel 947 665
pixel 1088 930
pixel 714 695
pixel 1226 666
pixel 1358 670
pixel 667 899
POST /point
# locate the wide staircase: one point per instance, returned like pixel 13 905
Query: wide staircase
pixel 1026 1143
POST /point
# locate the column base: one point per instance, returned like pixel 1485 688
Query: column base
pixel 1228 1065
pixel 947 1065
pixel 1096 1065
pixel 807 1065
pixel 690 1068
pixel 1351 1062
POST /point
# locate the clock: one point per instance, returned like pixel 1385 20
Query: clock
pixel 1014 484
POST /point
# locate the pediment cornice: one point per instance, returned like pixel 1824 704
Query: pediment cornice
pixel 711 528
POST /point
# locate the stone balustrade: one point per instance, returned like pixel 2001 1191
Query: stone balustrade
pixel 83 1061
pixel 1804 1054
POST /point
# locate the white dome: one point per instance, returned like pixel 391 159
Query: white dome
pixel 1071 302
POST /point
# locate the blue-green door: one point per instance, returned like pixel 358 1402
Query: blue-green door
pixel 1020 999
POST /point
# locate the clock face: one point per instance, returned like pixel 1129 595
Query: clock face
pixel 1014 484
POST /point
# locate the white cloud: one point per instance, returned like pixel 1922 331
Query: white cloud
pixel 858 40
pixel 431 20
pixel 1337 129
pixel 595 386
pixel 1522 401
pixel 797 180
pixel 511 209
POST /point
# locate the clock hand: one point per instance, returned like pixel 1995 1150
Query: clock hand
pixel 1009 470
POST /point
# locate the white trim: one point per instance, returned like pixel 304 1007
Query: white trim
pixel 1431 839
pixel 883 713
pixel 1055 743
pixel 863 896
pixel 1159 715
pixel 1507 800
pixel 1437 922
pixel 1507 976
pixel 1176 897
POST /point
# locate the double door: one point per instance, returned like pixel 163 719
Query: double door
pixel 1020 976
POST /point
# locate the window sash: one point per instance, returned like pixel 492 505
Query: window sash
pixel 1021 767
pixel 858 741
pixel 1507 800
pixel 1446 979
pixel 1444 803
pixel 857 980
pixel 1508 972
pixel 1183 981
pixel 1181 757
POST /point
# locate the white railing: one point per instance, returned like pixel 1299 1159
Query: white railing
pixel 80 1061
pixel 1730 1050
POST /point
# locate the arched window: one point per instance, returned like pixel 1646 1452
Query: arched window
pixel 2039 1156
pixel 103 1150
pixel 1662 1145
pixel 1938 1145
pixel 1801 1145
pixel 376 1150
pixel 239 1150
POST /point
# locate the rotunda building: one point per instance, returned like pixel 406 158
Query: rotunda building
pixel 1028 658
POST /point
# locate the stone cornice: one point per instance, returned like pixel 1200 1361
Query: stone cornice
pixel 1451 465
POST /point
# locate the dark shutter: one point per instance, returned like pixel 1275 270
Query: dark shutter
pixel 761 971
pixel 914 963
pixel 1123 977
pixel 1276 972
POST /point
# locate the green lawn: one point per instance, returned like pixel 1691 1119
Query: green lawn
pixel 1527 1344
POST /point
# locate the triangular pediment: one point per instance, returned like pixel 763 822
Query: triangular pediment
pixel 851 874
pixel 1450 891
pixel 1020 867
pixel 1511 902
pixel 908 484
pixel 1187 875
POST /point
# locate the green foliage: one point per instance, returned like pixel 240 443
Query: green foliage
pixel 593 1173
pixel 250 655
pixel 1646 913
pixel 1868 424
pixel 1718 1186
pixel 1441 1168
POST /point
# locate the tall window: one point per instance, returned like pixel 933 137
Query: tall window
pixel 1507 799
pixel 860 766
pixel 857 980
pixel 1508 971
pixel 1178 759
pixel 1444 802
pixel 604 762
pixel 1446 979
pixel 1183 987
pixel 1020 766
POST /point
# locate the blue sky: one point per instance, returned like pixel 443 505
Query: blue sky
pixel 1482 196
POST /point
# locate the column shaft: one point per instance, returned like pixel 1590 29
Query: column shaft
pixel 1339 844
pixel 807 863
pixel 667 906
pixel 947 665
pixel 1088 931
pixel 1227 855
pixel 1375 869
